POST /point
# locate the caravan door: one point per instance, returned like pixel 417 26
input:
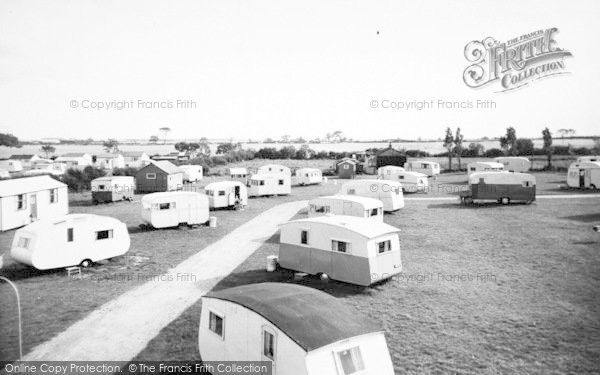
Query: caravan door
pixel 33 205
pixel 582 178
pixel 587 179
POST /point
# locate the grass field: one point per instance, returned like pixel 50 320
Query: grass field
pixel 491 289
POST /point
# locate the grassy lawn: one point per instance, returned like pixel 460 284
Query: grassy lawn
pixel 532 305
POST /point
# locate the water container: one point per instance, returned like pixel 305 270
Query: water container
pixel 212 222
pixel 272 263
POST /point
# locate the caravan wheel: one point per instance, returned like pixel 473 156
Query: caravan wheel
pixel 505 200
pixel 86 263
pixel 593 187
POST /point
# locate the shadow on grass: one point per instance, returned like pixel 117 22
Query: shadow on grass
pixel 475 205
pixel 589 218
pixel 20 271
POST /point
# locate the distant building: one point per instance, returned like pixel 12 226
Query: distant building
pixel 346 168
pixel 78 160
pixel 389 156
pixel 25 159
pixel 136 159
pixel 110 161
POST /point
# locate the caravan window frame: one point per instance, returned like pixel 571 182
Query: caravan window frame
pixel 387 246
pixel 109 234
pixel 21 202
pixel 24 242
pixel 53 195
pixel 357 363
pixel 302 232
pixel 150 174
pixel 220 316
pixel 272 353
pixel 335 246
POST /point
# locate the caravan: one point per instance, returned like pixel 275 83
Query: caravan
pixel 588 158
pixel 309 176
pixel 75 239
pixel 429 168
pixel 584 175
pixel 274 169
pixel 171 209
pixel 112 189
pixel 225 194
pixel 388 192
pixel 345 248
pixel 11 165
pixel 484 166
pixel 191 173
pixel 501 187
pixel 293 329
pixel 269 184
pixel 412 182
pixel 351 205
pixel 514 163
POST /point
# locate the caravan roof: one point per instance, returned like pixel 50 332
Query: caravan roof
pixel 359 225
pixel 70 218
pixel 585 164
pixel 28 185
pixel 309 317
pixel 238 171
pixel 149 198
pixel 222 185
pixel 501 178
pixel 490 164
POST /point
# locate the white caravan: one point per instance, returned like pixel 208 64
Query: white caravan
pixel 351 205
pixel 430 168
pixel 274 169
pixel 584 175
pixel 412 182
pixel 226 194
pixel 388 192
pixel 514 163
pixel 309 176
pixel 11 165
pixel 174 208
pixel 75 239
pixel 269 184
pixel 295 329
pixel 191 173
pixel 484 166
pixel 588 158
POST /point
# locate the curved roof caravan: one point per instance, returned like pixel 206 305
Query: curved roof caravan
pixel 589 158
pixel 112 189
pixel 238 173
pixel 299 330
pixel 262 184
pixel 514 163
pixel 501 187
pixel 346 248
pixel 412 182
pixel 309 176
pixel 388 192
pixel 70 240
pixel 430 168
pixel 351 205
pixel 226 194
pixel 484 166
pixel 585 175
pixel 170 209
pixel 274 169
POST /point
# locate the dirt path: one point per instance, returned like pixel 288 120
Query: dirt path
pixel 121 328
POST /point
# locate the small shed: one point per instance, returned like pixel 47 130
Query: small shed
pixel 346 248
pixel 296 329
pixel 346 168
pixel 75 239
pixel 158 176
pixel 389 156
pixel 24 200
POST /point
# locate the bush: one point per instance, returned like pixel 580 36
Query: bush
pixel 417 154
pixel 493 153
pixel 524 147
pixel 127 171
pixel 80 180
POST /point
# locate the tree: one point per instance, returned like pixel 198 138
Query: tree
pixel 449 145
pixel 9 140
pixel 304 152
pixel 524 146
pixel 475 149
pixel 567 132
pixel 508 143
pixel 458 147
pixel 153 139
pixel 47 149
pixel 203 147
pixel 547 136
pixel 111 146
pixel 287 152
pixel 164 130
pixel 225 148
pixel 596 148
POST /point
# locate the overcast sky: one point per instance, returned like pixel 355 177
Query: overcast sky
pixel 258 69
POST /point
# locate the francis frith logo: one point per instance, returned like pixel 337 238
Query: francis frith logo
pixel 515 63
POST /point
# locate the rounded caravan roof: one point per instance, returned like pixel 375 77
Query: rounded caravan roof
pixel 264 176
pixel 309 317
pixel 71 218
pixel 273 168
pixel 585 164
pixel 502 178
pixel 588 158
pixel 365 228
pixel 424 161
pixel 223 184
pixel 390 168
pixel 491 164
pixel 152 197
pixel 365 201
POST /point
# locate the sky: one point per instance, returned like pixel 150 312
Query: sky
pixel 256 69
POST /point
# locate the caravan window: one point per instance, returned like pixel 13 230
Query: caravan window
pixel 53 195
pixel 351 191
pixel 221 192
pixel 21 202
pixel 104 234
pixel 401 177
pixel 210 193
pixel 350 360
pixel 340 246
pixel 424 166
pixel 69 234
pixel 23 243
pixel 268 344
pixel 374 212
pixel 320 209
pixel 384 246
pixel 304 237
pixel 165 206
pixel 473 168
pixel 280 182
pixel 151 176
pixel 215 323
